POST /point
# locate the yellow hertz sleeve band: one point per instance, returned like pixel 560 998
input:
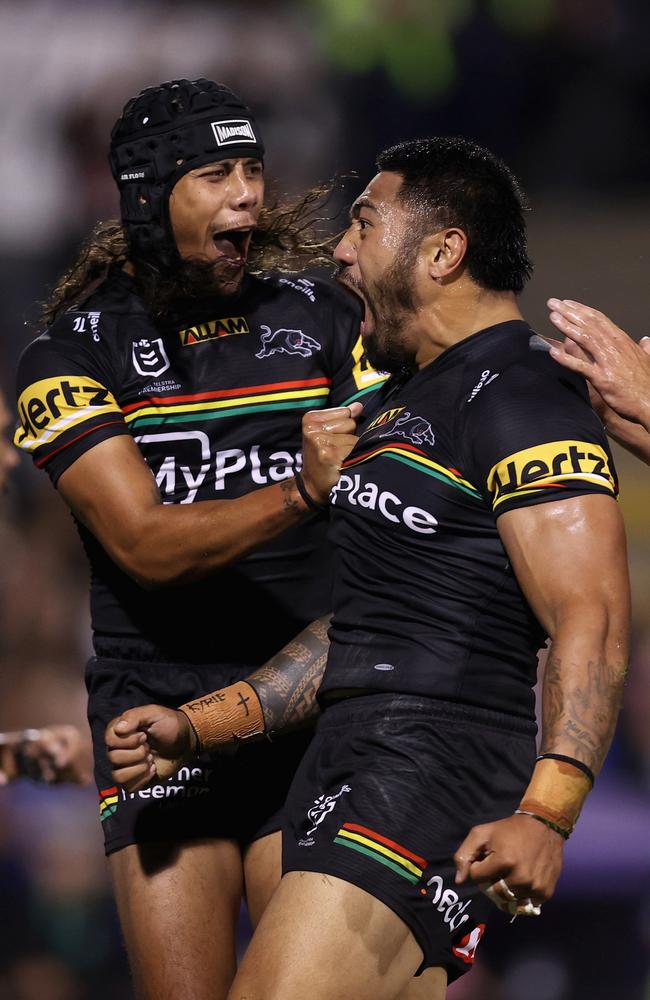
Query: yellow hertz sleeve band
pixel 53 413
pixel 555 465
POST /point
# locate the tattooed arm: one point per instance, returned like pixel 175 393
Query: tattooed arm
pixel 569 558
pixel 154 742
pixel 287 685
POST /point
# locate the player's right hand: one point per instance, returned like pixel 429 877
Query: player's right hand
pixel 328 437
pixel 148 743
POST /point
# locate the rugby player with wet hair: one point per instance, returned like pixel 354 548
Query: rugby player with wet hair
pixel 165 402
pixel 475 516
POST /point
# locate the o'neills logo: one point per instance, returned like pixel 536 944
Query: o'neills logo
pixel 234 131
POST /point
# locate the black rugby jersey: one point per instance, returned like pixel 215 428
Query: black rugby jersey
pixel 425 601
pixel 214 401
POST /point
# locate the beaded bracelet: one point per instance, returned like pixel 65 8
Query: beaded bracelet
pixel 570 760
pixel 309 500
pixel 565 834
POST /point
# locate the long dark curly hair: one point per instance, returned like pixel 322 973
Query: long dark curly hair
pixel 287 238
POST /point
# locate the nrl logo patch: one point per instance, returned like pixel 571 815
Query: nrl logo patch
pixel 150 357
pixel 232 132
pixel 286 342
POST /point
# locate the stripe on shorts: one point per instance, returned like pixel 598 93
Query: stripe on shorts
pixel 387 852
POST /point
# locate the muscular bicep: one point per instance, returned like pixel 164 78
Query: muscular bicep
pixel 570 555
pixel 110 489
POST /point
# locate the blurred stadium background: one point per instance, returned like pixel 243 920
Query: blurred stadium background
pixel 560 89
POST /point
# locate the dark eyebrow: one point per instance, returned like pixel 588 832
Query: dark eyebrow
pixel 362 202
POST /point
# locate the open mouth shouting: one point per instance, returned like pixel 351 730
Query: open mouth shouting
pixel 232 245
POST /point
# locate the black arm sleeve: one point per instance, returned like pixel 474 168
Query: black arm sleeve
pixel 532 437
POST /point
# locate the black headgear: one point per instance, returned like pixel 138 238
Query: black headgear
pixel 162 134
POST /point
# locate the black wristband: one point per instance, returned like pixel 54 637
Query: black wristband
pixel 565 834
pixel 570 760
pixel 309 500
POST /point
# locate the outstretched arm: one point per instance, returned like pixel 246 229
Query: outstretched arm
pixel 569 558
pixel 154 742
pixel 615 366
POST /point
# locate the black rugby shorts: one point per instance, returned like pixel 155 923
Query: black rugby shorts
pixel 388 790
pixel 237 794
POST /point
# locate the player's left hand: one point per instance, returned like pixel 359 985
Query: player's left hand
pixel 523 852
pixel 148 743
pixel 617 367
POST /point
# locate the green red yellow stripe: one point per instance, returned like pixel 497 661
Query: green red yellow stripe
pixel 108 801
pixel 307 394
pixel 416 459
pixel 387 852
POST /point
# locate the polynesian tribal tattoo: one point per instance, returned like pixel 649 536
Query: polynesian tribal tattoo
pixel 287 684
pixel 580 708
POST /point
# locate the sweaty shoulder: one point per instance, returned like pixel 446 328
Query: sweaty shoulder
pixel 528 431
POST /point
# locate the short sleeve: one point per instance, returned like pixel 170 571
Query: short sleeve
pixel 531 436
pixel 64 398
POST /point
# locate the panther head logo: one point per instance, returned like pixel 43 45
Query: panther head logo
pixel 415 429
pixel 286 342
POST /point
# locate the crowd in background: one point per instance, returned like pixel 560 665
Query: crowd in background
pixel 562 92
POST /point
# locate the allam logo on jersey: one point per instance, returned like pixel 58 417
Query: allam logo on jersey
pixel 286 342
pixel 415 429
pixel 52 406
pixel 555 465
pixel 150 357
pixel 233 131
pixel 213 330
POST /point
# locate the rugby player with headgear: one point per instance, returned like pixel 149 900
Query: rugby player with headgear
pixel 475 516
pixel 164 401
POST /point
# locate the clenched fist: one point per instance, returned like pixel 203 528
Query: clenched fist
pixel 147 743
pixel 328 437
